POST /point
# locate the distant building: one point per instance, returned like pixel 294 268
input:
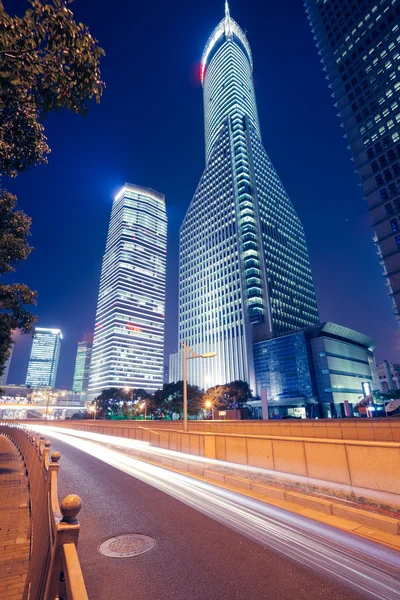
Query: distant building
pixel 128 347
pixel 43 362
pixel 4 375
pixel 317 372
pixel 82 364
pixel 244 273
pixel 359 45
pixel 175 371
pixel 389 376
pixel 166 374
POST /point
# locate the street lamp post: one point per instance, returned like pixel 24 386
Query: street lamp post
pixel 186 349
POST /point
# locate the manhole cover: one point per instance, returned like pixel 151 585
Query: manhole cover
pixel 123 546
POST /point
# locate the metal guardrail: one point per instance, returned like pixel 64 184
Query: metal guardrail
pixel 54 571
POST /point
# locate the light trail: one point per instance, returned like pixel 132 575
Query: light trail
pixel 368 567
pixel 141 446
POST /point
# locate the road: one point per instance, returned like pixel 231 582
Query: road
pixel 211 542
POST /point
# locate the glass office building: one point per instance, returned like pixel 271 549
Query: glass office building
pixel 82 364
pixel 319 371
pixel 43 362
pixel 282 367
pixel 245 274
pixel 359 44
pixel 128 346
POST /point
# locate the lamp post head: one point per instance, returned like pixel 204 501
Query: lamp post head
pixel 208 355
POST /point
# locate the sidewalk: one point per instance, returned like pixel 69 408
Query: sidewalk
pixel 14 522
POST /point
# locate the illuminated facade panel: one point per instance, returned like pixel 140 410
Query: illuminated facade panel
pixel 244 268
pixel 359 44
pixel 82 366
pixel 43 362
pixel 128 346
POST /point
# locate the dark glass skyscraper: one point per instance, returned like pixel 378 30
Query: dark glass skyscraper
pixel 359 44
pixel 245 274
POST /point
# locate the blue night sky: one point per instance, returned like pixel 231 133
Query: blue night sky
pixel 148 130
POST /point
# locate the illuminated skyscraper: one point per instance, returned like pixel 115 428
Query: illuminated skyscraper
pixel 82 364
pixel 43 362
pixel 4 375
pixel 128 347
pixel 359 44
pixel 245 274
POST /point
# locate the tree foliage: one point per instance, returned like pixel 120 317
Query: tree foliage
pixel 229 396
pixel 47 62
pixel 108 403
pixel 169 400
pixel 122 403
pixel 14 247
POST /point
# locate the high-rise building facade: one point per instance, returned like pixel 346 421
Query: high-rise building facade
pixel 245 273
pixel 128 346
pixel 4 375
pixel 359 44
pixel 82 364
pixel 43 362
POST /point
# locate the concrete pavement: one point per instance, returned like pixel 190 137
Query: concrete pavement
pixel 196 557
pixel 14 522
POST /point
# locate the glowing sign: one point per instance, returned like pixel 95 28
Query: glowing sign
pixel 366 388
pixel 133 327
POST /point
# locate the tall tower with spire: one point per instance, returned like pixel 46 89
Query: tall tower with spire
pixel 245 274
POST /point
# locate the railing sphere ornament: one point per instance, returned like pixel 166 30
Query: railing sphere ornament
pixel 70 507
pixel 55 457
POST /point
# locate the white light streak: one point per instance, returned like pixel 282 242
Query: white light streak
pixel 366 566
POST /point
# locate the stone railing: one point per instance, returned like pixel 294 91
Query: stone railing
pixel 54 571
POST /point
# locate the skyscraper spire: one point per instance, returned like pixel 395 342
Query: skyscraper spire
pixel 228 21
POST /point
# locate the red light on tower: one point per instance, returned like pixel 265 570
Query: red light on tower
pixel 133 327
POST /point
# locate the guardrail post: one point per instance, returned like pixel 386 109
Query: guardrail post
pixel 67 532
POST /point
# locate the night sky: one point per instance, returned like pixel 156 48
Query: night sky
pixel 148 130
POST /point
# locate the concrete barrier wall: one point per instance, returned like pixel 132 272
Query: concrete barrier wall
pixel 378 430
pixel 356 465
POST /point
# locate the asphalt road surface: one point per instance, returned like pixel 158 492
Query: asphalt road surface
pixel 210 543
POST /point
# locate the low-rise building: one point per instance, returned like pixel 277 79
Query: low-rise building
pixel 315 372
